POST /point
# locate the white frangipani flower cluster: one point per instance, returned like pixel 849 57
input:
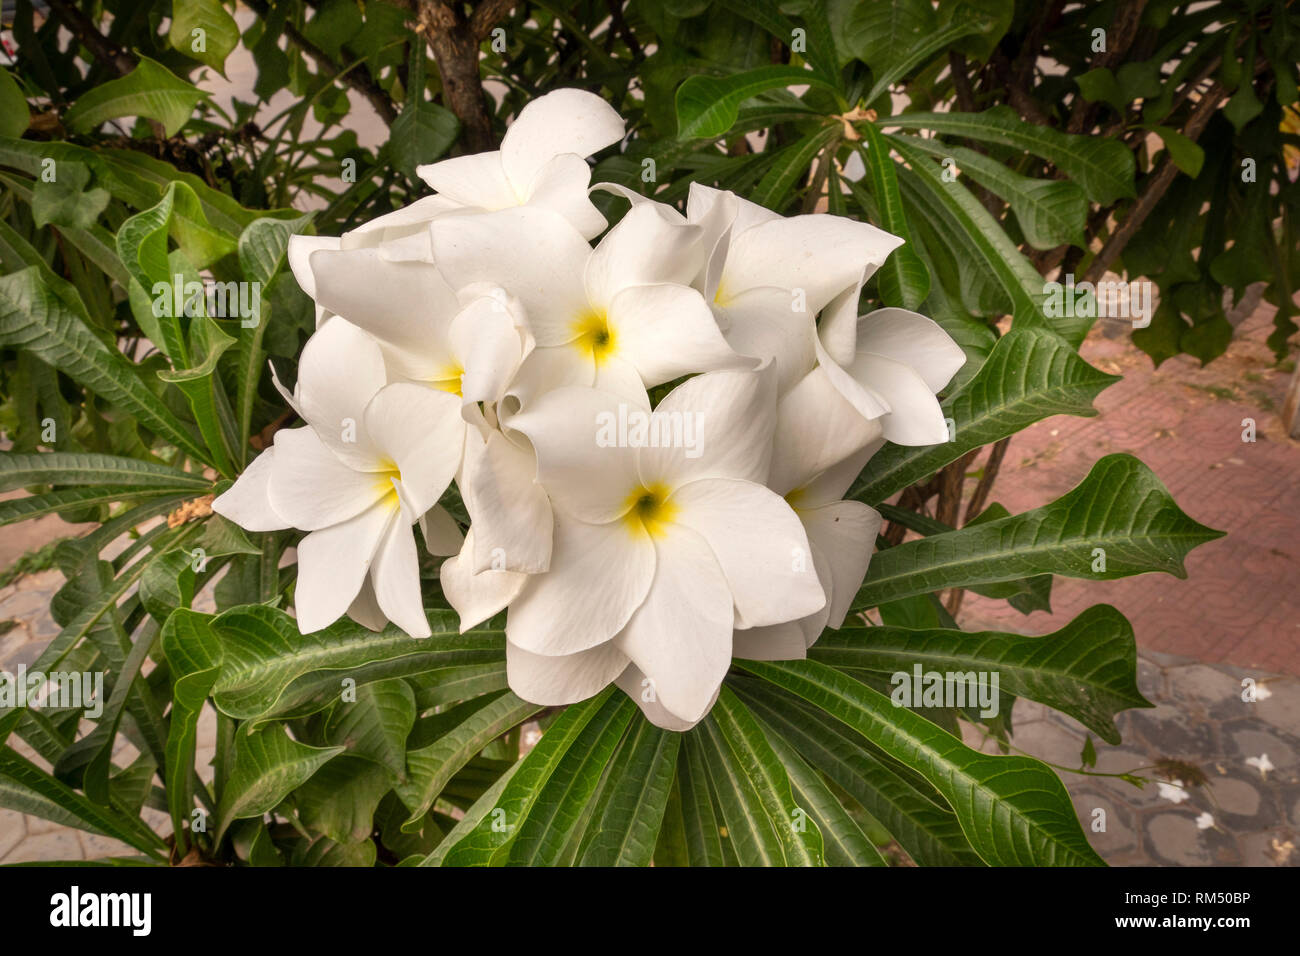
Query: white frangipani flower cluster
pixel 477 336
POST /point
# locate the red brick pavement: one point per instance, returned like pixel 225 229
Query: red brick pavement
pixel 1240 603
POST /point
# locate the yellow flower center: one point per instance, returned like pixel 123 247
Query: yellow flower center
pixel 449 379
pixel 594 337
pixel 793 498
pixel 388 470
pixel 648 508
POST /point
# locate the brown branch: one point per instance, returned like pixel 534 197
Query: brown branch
pixel 1124 30
pixel 985 485
pixel 359 80
pixel 454 40
pixel 117 59
pixel 1154 189
pixel 960 81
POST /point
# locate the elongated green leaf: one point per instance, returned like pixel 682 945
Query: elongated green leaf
pixel 194 653
pixel 268 765
pixel 499 822
pixel 376 724
pixel 1103 167
pixel 625 825
pixel 1030 375
pixel 90 816
pixel 340 799
pixel 264 243
pixel 429 768
pixel 1051 212
pixel 66 499
pixel 150 90
pixel 1014 810
pixel 60 468
pixel 903 279
pixel 1086 669
pixel 1120 520
pixel 845 843
pixel 791 165
pixel 1024 287
pixel 764 825
pixel 697 825
pixel 14 114
pixel 546 829
pixel 476 818
pixel 911 810
pixel 266 656
pixel 33 318
pixel 707 106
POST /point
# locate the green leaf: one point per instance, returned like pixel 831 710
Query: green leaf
pixel 764 825
pixel 707 106
pixel 34 318
pixel 264 243
pixel 497 823
pixel 1120 508
pixel 791 164
pixel 66 201
pixel 1085 670
pixel 269 664
pixel 376 724
pixel 477 724
pixel 1030 375
pixel 1014 810
pixel 846 844
pixel 546 829
pixel 64 500
pixel 423 130
pixel 1183 152
pixel 1051 212
pixel 625 825
pixel 203 30
pixel 903 279
pixel 268 765
pixel 340 799
pixel 1103 167
pixel 14 114
pixel 690 835
pixel 911 810
pixel 194 655
pixel 62 468
pixel 150 90
pixel 167 584
pixel 203 389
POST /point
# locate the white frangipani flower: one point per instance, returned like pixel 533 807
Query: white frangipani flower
pixel 1261 763
pixel 658 554
pixel 897 363
pixel 767 277
pixel 1205 821
pixel 371 460
pixel 1173 791
pixel 542 161
pixel 620 318
pixel 820 446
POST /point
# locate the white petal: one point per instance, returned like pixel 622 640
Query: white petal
pixel 680 636
pixel 561 186
pixel 477 597
pixel 395 576
pixel 486 339
pixel 821 254
pixel 599 576
pixel 720 425
pixel 299 256
pixel 365 610
pixel 637 686
pixel 532 252
pixel 554 681
pixel 716 216
pixel 760 544
pixel 652 244
pixel 442 535
pixel 421 431
pixel 405 304
pixel 549 368
pixel 333 562
pixel 816 428
pixel 775 642
pixel 915 417
pixel 582 460
pixel 748 214
pixel 667 331
pixel 476 181
pixel 562 121
pixel 834 483
pixel 402 233
pixel 915 341
pixel 311 487
pixel 762 323
pixel 510 511
pixel 868 402
pixel 844 535
pixel 248 501
pixel 340 371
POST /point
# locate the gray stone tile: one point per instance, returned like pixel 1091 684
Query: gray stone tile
pixel 59 845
